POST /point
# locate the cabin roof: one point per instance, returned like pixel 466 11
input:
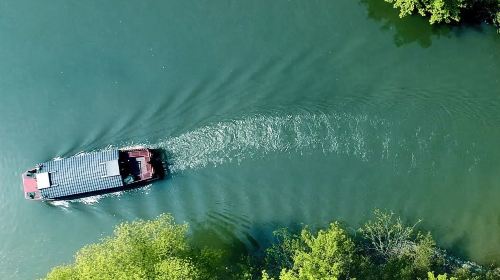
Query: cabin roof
pixel 43 180
pixel 84 173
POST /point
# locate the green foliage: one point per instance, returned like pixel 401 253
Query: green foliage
pixel 61 272
pixel 280 255
pixel 493 273
pixel 246 269
pixel 161 249
pixel 407 7
pixel 388 249
pixel 430 276
pixel 266 276
pixel 467 272
pixel 415 261
pixel 154 249
pixel 176 269
pixel 400 251
pixel 438 10
pixel 425 255
pixel 496 18
pixel 447 11
pixel 386 235
pixel 327 255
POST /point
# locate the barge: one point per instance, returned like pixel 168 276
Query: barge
pixel 92 173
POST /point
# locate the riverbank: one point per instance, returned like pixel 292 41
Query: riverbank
pixel 383 248
pixel 272 113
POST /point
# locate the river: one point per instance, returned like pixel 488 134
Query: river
pixel 273 113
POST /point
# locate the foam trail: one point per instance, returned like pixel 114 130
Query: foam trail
pixel 367 138
pixel 258 136
pixel 354 136
pixel 60 203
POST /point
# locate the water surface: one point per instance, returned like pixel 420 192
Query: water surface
pixel 272 113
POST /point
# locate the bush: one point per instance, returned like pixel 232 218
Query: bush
pixel 155 249
pixel 430 276
pixel 161 249
pixel 399 250
pixel 386 236
pixel 329 254
pixel 448 11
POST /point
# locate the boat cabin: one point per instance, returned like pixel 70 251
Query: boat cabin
pixel 89 173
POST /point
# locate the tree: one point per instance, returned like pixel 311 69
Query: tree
pixel 280 255
pixel 161 249
pixel 430 276
pixel 329 254
pixel 386 235
pixel 447 11
pixel 399 251
pixel 156 249
pixel 439 10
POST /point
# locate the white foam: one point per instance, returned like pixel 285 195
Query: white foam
pixel 347 135
pixel 60 203
pixel 257 136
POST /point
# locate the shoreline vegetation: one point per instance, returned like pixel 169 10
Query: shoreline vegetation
pixel 383 248
pixel 451 11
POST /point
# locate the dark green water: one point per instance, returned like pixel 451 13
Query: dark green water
pixel 273 112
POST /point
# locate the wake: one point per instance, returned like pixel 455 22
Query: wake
pixel 367 139
pixel 258 136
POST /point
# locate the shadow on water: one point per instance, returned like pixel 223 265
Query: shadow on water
pixel 235 239
pixel 460 245
pixel 238 238
pixel 160 162
pixel 407 30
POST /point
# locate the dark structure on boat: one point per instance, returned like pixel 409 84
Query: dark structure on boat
pixel 92 173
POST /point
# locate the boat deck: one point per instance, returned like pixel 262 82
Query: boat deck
pixel 81 174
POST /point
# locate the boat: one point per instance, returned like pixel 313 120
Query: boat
pixel 92 173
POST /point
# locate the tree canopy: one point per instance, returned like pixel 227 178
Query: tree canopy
pixel 156 249
pixel 325 255
pixel 383 248
pixel 448 11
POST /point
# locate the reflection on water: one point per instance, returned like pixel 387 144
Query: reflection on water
pixel 225 227
pixel 407 30
pixel 270 114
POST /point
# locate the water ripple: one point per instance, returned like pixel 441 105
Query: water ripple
pixel 363 137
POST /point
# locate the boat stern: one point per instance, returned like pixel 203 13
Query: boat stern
pixel 30 185
pixel 138 165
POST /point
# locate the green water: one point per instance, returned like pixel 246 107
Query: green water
pixel 273 113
